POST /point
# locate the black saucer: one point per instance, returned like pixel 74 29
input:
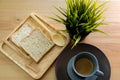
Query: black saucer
pixel 68 53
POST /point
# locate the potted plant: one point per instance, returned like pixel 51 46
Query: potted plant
pixel 81 17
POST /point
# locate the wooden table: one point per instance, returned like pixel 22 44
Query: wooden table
pixel 12 12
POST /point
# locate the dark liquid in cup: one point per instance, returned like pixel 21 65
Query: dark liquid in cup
pixel 84 66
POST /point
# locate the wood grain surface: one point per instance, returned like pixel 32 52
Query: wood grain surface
pixel 12 12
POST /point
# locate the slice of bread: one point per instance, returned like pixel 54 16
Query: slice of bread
pixel 24 31
pixel 36 44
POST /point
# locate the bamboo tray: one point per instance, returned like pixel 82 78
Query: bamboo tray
pixel 36 70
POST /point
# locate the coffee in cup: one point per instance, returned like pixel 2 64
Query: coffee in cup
pixel 85 64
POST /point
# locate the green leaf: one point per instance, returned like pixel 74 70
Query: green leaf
pixel 76 42
pixel 62 20
pixel 64 31
pixel 61 11
pixel 97 30
pixel 56 20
